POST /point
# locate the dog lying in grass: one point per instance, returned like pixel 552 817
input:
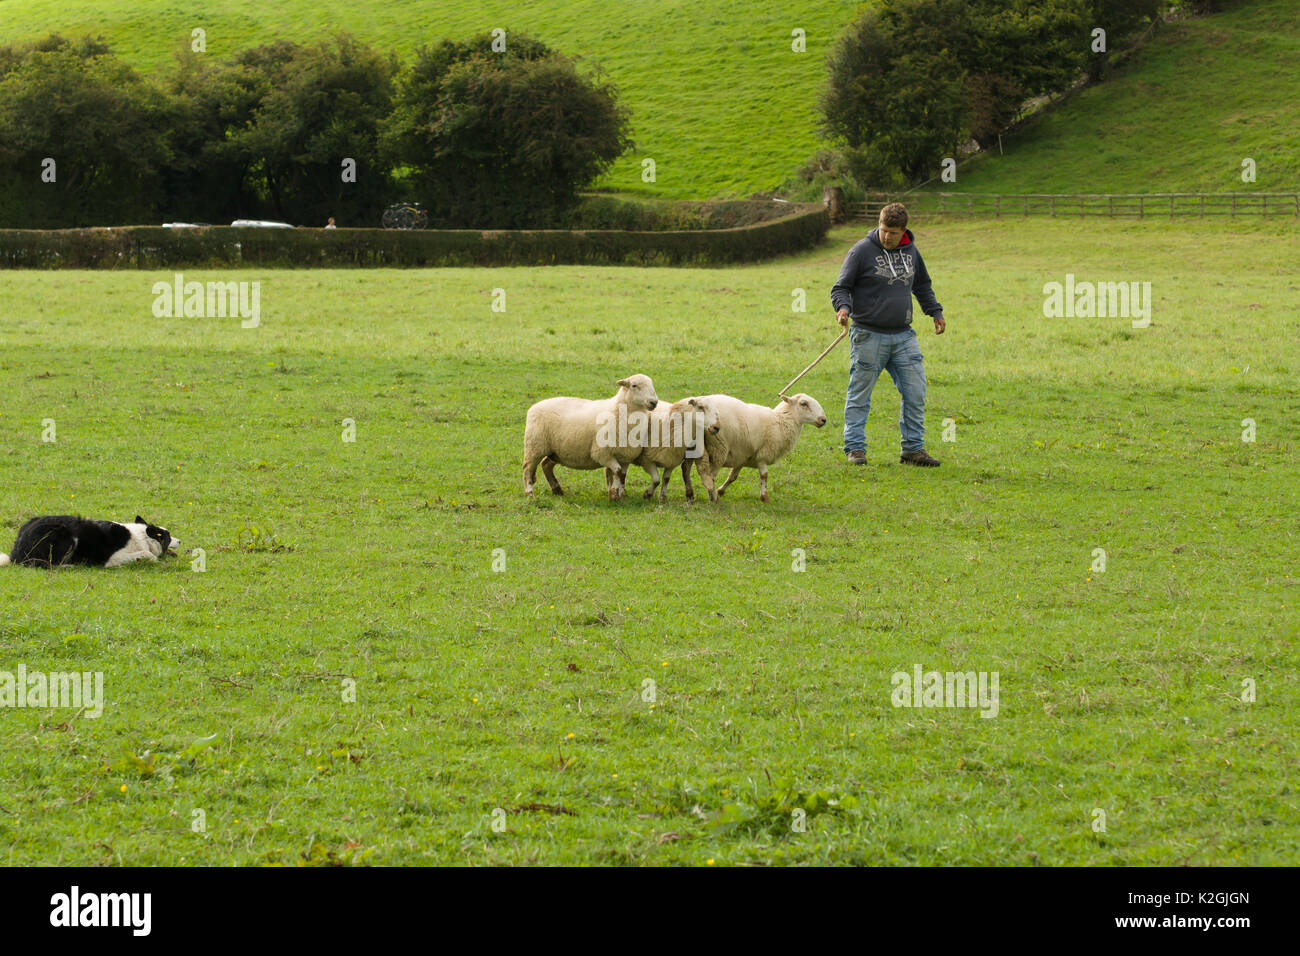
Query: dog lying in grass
pixel 52 541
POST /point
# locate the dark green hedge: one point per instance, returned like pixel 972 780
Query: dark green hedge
pixel 643 215
pixel 152 247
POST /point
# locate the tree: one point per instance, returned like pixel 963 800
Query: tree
pixel 900 106
pixel 503 139
pixel 207 178
pixel 1120 19
pixel 912 79
pixel 292 115
pixel 95 118
pixel 1014 50
pixel 15 55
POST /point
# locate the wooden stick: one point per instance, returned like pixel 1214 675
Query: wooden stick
pixel 783 391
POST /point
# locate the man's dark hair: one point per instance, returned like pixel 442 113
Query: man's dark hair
pixel 894 214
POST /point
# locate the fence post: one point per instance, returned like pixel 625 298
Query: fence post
pixel 1202 205
pixel 1110 203
pixel 997 207
pixel 1234 204
pixel 1265 204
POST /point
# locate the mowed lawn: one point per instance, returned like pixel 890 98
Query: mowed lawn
pixel 520 697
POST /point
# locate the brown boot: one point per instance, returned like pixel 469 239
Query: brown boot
pixel 918 458
pixel 856 457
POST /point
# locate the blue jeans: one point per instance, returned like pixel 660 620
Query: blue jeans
pixel 899 354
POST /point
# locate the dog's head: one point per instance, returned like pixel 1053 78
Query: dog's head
pixel 159 540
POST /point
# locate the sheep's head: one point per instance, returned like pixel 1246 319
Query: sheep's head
pixel 707 413
pixel 693 418
pixel 639 391
pixel 805 409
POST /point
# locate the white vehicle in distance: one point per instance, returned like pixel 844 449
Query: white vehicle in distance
pixel 185 225
pixel 261 224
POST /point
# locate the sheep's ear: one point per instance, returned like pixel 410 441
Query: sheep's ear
pixel 623 383
pixel 693 403
pixel 139 520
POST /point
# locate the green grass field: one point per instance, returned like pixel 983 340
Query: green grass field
pixel 523 691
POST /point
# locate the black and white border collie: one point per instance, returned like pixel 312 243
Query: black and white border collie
pixel 55 540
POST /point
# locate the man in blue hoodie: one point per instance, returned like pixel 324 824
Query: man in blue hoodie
pixel 875 288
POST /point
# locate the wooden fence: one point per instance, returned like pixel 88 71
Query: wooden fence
pixel 1138 205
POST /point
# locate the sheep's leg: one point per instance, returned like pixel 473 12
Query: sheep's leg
pixel 663 489
pixel 762 483
pixel 530 476
pixel 686 480
pixel 548 469
pixel 615 478
pixel 727 484
pixel 708 476
pixel 653 471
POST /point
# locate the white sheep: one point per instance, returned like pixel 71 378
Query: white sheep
pixel 753 436
pixel 676 433
pixel 584 434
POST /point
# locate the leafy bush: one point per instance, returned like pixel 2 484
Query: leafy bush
pixel 898 107
pixel 912 80
pixel 286 117
pixel 99 122
pixel 503 139
pixel 826 167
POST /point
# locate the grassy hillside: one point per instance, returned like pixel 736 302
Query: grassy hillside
pixel 719 100
pixel 725 108
pixel 1180 116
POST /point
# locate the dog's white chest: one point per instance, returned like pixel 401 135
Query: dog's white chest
pixel 136 548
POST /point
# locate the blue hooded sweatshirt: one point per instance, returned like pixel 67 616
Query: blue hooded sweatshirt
pixel 876 285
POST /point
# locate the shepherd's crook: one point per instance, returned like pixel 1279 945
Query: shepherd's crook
pixel 814 362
